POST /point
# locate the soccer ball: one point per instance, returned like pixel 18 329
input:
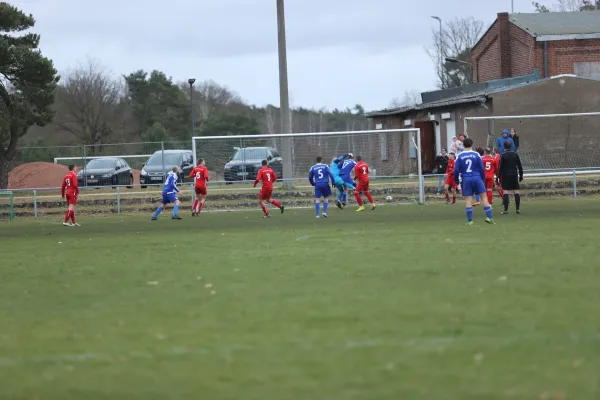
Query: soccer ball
pixel 388 198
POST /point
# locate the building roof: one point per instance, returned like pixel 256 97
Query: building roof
pixel 480 96
pixel 558 23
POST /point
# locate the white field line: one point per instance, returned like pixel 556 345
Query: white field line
pixel 418 344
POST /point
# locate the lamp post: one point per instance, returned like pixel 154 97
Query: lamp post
pixel 191 82
pixel 284 101
pixel 441 53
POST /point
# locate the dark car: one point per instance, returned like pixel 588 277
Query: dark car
pixel 153 171
pixel 106 171
pixel 246 162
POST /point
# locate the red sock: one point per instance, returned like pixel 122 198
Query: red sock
pixel 358 199
pixel 201 205
pixel 500 191
pixel 275 203
pixel 73 216
pixel 490 196
pixel 195 205
pixel 369 197
pixel 447 196
pixel 454 199
pixel 264 210
pixel 67 216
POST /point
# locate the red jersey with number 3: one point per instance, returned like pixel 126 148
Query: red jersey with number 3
pixel 490 166
pixel 361 172
pixel 267 176
pixel 200 174
pixel 69 185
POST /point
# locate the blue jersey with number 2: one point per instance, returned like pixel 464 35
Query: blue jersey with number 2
pixel 469 165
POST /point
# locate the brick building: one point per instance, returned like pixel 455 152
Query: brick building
pixel 554 43
pixel 545 143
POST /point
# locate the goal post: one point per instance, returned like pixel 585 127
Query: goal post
pixel 393 155
pixel 7 212
pixel 548 142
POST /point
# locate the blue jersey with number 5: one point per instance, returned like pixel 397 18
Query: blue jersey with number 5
pixel 469 165
pixel 320 174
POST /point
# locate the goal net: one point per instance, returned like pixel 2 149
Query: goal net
pixel 548 143
pixel 392 155
pixel 7 212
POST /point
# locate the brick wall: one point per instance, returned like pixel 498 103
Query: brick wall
pixel 503 53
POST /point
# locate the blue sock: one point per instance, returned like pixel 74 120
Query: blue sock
pixel 175 209
pixel 318 207
pixel 340 195
pixel 477 198
pixel 345 198
pixel 469 211
pixel 158 210
pixel 325 205
pixel 488 212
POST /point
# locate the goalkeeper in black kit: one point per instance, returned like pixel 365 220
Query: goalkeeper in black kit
pixel 510 173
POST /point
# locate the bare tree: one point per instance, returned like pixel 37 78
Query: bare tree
pixel 568 6
pixel 410 98
pixel 270 119
pixel 89 104
pixel 458 38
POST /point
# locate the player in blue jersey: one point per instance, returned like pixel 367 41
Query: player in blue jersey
pixel 339 183
pixel 346 169
pixel 469 167
pixel 169 195
pixel 319 177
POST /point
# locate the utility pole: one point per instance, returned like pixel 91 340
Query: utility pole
pixel 284 100
pixel 191 82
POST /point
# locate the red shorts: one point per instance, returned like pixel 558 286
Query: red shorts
pixel 265 194
pixel 450 182
pixel 71 199
pixel 201 190
pixel 362 187
pixel 489 183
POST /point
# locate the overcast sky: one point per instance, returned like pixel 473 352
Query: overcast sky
pixel 340 52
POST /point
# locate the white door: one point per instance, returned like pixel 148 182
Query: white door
pixel 450 132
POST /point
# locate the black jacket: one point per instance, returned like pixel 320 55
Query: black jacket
pixel 441 164
pixel 510 165
pixel 515 141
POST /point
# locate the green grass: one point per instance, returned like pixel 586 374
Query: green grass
pixel 401 303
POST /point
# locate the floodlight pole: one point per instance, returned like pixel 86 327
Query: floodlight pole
pixel 191 82
pixel 284 101
pixel 441 53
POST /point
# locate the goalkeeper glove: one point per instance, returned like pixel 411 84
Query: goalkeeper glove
pixel 520 179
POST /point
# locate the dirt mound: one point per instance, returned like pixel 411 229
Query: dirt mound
pixel 37 175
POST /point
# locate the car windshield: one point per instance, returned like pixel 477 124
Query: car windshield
pixel 250 154
pixel 100 163
pixel 170 159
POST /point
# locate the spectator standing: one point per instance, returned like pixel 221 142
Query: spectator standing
pixel 505 138
pixel 515 138
pixel 460 145
pixel 454 145
pixel 441 164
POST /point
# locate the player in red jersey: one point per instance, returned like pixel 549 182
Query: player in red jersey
pixel 200 175
pixel 267 176
pixel 361 176
pixel 70 188
pixel 490 165
pixel 497 157
pixel 450 183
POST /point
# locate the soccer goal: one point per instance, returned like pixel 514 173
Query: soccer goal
pixel 547 142
pixel 7 211
pixel 392 154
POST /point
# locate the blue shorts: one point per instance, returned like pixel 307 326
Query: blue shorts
pixel 322 191
pixel 473 186
pixel 348 182
pixel 168 198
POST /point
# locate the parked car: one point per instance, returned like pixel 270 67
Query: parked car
pixel 246 162
pixel 106 171
pixel 153 172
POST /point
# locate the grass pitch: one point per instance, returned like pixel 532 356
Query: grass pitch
pixel 401 303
